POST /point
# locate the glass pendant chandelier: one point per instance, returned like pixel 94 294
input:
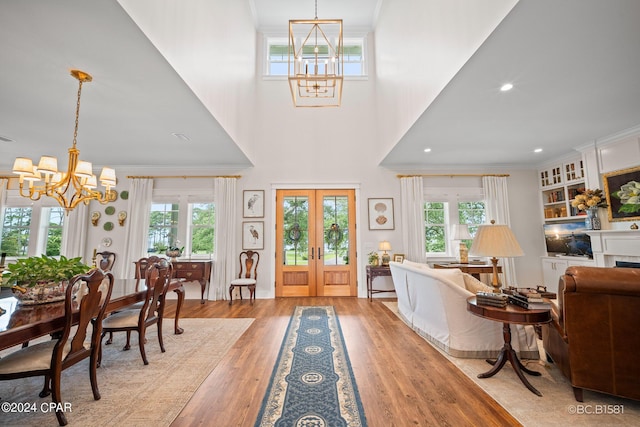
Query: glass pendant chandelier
pixel 77 184
pixel 316 61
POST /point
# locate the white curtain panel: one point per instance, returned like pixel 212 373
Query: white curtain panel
pixel 413 239
pixel 4 182
pixel 74 233
pixel 497 200
pixel 139 207
pixel 224 268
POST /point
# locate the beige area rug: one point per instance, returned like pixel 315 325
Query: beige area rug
pixel 133 394
pixel 557 406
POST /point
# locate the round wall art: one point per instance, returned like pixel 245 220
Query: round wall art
pixel 108 226
pixel 124 195
pixel 110 210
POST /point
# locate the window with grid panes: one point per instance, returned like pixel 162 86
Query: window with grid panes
pixel 15 237
pixel 278 56
pixel 435 214
pixel 54 222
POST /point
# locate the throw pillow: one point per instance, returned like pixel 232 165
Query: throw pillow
pixel 474 286
pixel 454 275
pixel 416 264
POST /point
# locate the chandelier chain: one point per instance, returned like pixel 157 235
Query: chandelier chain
pixel 75 131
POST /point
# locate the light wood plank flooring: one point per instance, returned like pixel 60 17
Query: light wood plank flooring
pixel 402 380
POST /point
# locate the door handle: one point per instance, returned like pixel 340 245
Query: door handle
pixel 312 252
pixel 319 254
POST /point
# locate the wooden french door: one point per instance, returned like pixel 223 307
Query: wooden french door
pixel 315 243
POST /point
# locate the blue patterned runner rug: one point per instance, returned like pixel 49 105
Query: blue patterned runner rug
pixel 312 384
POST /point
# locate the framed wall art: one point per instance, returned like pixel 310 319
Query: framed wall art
pixel 622 189
pixel 253 235
pixel 381 214
pixel 398 257
pixel 253 203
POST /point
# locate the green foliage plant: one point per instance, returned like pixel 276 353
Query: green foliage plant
pixel 33 271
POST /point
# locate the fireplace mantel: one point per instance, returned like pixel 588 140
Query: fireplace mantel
pixel 610 246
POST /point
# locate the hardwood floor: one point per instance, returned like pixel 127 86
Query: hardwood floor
pixel 402 380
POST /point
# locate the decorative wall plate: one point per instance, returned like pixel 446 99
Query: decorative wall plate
pixel 106 242
pixel 122 216
pixel 110 210
pixel 124 195
pixel 108 226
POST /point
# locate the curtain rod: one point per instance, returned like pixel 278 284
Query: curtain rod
pixel 453 174
pixel 165 176
pixel 186 176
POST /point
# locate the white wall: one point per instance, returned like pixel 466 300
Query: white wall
pixel 413 68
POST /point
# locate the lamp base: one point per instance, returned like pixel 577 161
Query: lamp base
pixel 464 253
pixel 385 259
pixel 495 281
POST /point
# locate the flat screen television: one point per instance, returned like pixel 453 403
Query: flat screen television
pixel 568 238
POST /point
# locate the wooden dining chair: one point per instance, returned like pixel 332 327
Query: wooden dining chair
pixel 140 272
pixel 86 299
pixel 141 268
pixel 151 312
pixel 248 275
pixel 106 260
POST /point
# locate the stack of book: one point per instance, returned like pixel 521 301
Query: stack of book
pixel 492 299
pixel 527 298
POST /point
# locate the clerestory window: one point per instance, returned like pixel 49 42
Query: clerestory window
pixel 277 56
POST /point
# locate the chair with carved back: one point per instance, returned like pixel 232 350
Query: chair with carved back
pixel 86 299
pixel 140 272
pixel 248 276
pixel 105 260
pixel 141 268
pixel 151 311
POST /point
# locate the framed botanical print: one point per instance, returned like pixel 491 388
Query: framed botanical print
pixel 381 214
pixel 622 189
pixel 253 203
pixel 253 235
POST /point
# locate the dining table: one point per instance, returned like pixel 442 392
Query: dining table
pixel 22 323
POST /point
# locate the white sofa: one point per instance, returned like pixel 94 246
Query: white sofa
pixel 433 302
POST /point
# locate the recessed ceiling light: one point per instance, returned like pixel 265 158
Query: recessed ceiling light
pixel 505 87
pixel 538 150
pixel 427 150
pixel 181 136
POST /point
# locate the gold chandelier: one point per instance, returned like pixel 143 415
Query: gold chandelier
pixel 68 188
pixel 315 48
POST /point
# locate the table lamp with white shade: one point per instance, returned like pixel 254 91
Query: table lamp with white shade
pixel 461 232
pixel 385 246
pixel 495 241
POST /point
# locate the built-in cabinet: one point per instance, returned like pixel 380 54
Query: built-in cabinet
pixel 554 267
pixel 559 184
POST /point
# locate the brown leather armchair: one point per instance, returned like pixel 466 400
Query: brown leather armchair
pixel 594 337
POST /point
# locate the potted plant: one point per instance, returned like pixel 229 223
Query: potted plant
pixel 37 280
pixel 174 251
pixel 373 258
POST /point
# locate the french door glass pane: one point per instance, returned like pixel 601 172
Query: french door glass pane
pixel 336 230
pixel 296 230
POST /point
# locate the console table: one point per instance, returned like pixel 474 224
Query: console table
pixel 192 270
pixel 473 269
pixel 199 271
pixel 372 273
pixel 508 315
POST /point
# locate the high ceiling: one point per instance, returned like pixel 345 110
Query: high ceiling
pixel 574 66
